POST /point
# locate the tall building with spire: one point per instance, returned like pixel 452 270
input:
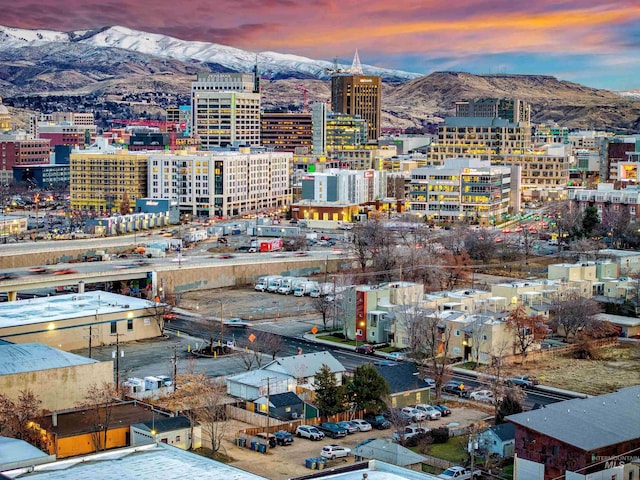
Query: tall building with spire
pixel 354 93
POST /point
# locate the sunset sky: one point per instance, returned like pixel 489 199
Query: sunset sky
pixel 596 43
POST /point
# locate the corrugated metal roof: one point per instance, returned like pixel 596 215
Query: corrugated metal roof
pixel 387 451
pixel 30 357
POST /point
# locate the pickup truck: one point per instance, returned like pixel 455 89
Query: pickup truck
pixel 377 421
pixel 460 473
pixel 400 436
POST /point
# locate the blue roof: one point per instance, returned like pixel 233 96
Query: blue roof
pixel 30 357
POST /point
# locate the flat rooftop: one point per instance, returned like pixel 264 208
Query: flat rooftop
pixel 30 357
pixel 62 307
pixel 145 462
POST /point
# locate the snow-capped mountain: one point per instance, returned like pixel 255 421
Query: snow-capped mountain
pixel 634 94
pixel 270 64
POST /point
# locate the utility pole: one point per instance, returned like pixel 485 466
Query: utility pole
pixel 174 360
pixel 117 354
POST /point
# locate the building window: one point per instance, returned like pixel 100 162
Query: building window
pixel 456 333
pixel 114 328
pixel 177 438
pixel 130 324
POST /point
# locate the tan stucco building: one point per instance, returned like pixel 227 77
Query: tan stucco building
pixel 59 379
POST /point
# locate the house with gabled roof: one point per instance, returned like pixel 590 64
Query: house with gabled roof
pixel 577 439
pixel 385 450
pixel 285 406
pixel 304 367
pixel 498 440
pixel 405 385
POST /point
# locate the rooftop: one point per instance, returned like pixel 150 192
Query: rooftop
pixel 588 423
pixel 30 357
pixel 145 462
pixel 78 422
pixel 62 307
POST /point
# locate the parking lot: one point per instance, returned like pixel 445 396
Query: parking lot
pixel 285 462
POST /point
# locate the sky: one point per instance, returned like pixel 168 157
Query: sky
pixel 595 43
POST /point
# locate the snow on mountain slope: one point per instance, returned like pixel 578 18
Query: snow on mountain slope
pixel 633 94
pixel 271 64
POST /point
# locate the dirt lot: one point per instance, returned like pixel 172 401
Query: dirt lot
pixel 285 462
pixel 618 367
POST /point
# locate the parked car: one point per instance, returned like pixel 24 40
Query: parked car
pixel 377 421
pixel 524 381
pixel 416 415
pixel 348 426
pixel 399 436
pixel 283 437
pixel 444 410
pixel 398 417
pixel 362 425
pixel 431 383
pixel 366 349
pixel 456 388
pixel 431 412
pixel 332 429
pixel 271 438
pixel 485 396
pixel 310 432
pixel 397 356
pixel 335 451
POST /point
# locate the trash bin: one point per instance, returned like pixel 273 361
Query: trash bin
pixel 254 445
pixel 262 448
pixel 242 442
pixel 321 463
pixel 311 463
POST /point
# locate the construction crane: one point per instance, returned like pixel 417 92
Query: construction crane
pixel 305 93
pixel 336 68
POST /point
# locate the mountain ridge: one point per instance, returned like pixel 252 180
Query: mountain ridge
pixel 37 65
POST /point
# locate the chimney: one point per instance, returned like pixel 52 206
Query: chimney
pixel 54 419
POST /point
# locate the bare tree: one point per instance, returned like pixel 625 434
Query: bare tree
pixel 573 313
pixel 480 245
pixel 428 339
pixel 250 357
pixel 272 343
pixel 98 403
pixel 457 270
pixel 527 329
pixel 20 418
pixel 201 400
pixel 162 311
pixel 323 304
pixel 493 372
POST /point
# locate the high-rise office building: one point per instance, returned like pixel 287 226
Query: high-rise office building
pixel 287 132
pixel 512 109
pixel 354 93
pixel 226 109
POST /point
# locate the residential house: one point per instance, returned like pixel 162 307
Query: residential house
pixel 284 406
pixel 579 439
pixel 174 431
pixel 255 383
pixel 304 367
pixel 498 440
pixel 629 326
pixel 405 385
pixel 385 450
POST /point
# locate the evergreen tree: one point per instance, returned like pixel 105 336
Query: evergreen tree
pixel 329 395
pixel 590 220
pixel 367 388
pixel 510 405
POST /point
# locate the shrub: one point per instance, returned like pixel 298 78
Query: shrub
pixel 440 435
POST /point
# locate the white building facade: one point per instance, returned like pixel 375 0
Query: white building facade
pixel 224 183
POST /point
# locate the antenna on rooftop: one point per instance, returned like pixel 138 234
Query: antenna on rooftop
pixel 356 66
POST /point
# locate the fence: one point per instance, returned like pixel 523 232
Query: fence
pixel 560 351
pixel 436 462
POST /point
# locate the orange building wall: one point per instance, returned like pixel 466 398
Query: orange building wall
pixel 83 444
